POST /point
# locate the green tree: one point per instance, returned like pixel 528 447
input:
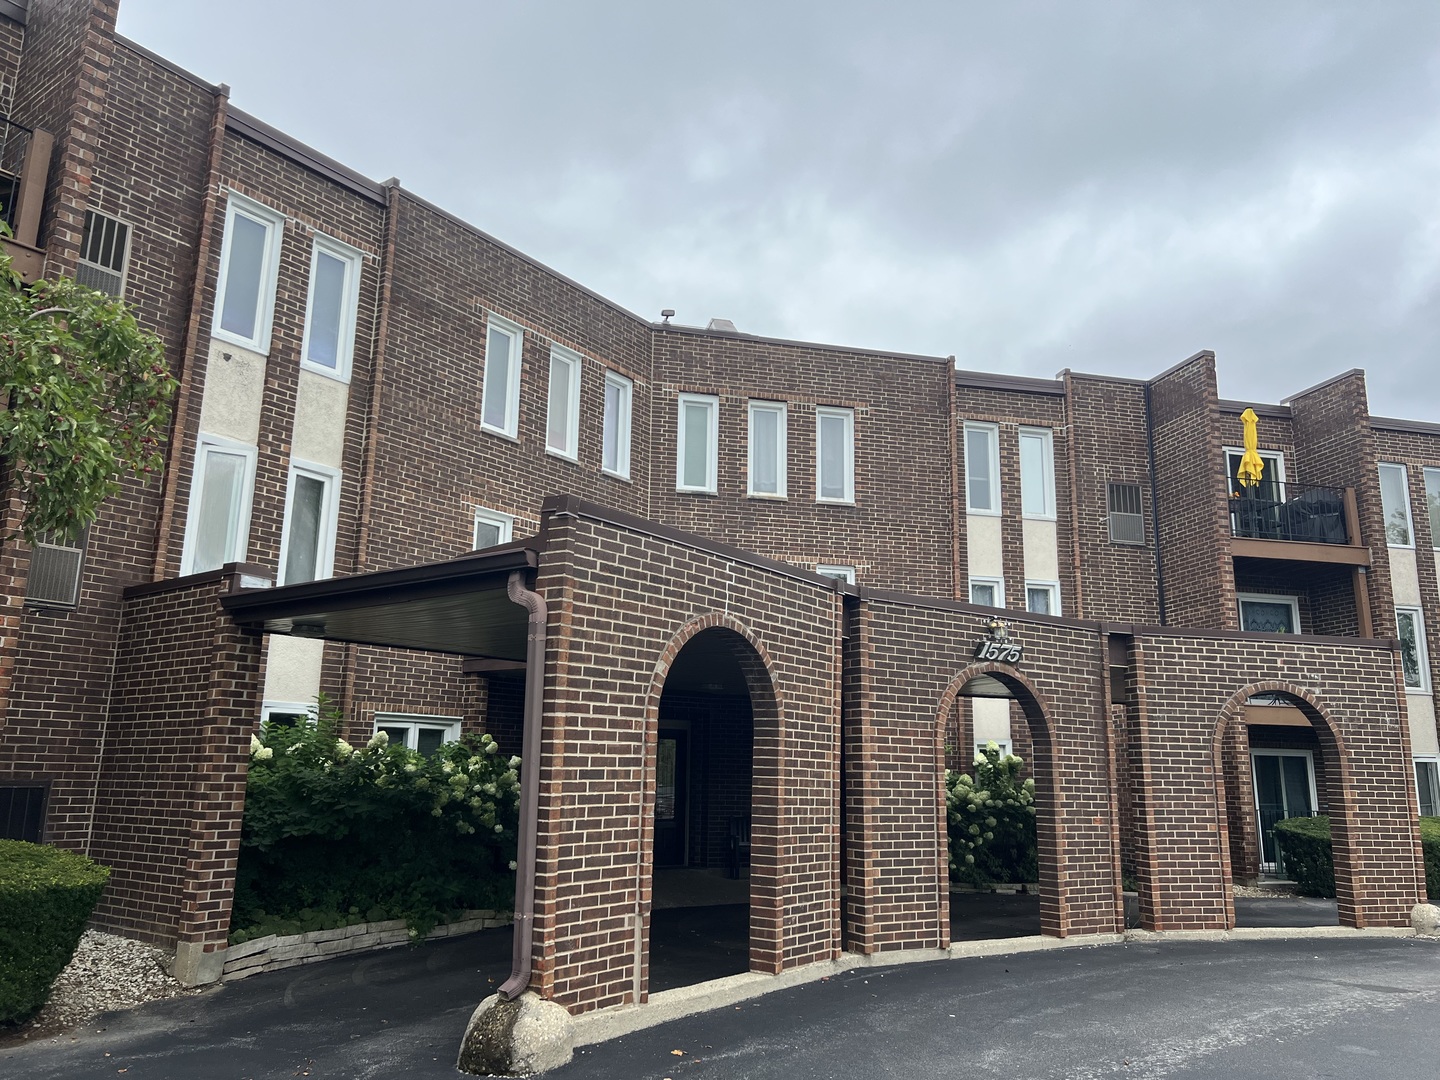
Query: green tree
pixel 85 395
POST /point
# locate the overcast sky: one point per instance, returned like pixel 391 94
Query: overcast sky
pixel 1107 187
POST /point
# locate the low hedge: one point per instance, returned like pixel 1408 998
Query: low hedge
pixel 46 896
pixel 1310 861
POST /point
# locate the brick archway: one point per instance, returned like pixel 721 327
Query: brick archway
pixel 767 709
pixel 1054 903
pixel 1339 792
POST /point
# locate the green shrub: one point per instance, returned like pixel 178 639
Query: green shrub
pixel 332 832
pixel 991 821
pixel 1305 844
pixel 46 896
pixel 1430 844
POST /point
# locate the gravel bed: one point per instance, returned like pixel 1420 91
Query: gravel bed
pixel 1273 893
pixel 106 973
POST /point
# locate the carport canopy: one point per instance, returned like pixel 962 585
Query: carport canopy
pixel 459 606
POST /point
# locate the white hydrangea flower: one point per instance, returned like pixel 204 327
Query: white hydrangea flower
pixel 343 748
pixel 410 768
pixel 255 746
pixel 514 865
pixel 491 747
pixel 447 768
pixel 264 754
pixel 514 762
pixel 378 741
pixel 499 828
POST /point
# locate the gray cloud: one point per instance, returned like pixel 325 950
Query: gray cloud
pixel 1107 187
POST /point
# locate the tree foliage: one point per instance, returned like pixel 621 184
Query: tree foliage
pixel 992 821
pixel 86 399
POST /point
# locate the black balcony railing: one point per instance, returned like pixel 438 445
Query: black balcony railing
pixel 14 141
pixel 1277 510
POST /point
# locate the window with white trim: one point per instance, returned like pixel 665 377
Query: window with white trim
pixel 1005 745
pixel 615 438
pixel 843 573
pixel 1264 613
pixel 1037 473
pixel 307 544
pixel 834 455
pixel 217 529
pixel 249 267
pixel 425 734
pixel 1395 505
pixel 1427 785
pixel 334 295
pixel 769 421
pixel 1042 597
pixel 55 567
pixel 1414 663
pixel 562 416
pixel 696 447
pixel 287 713
pixel 500 388
pixel 987 591
pixel 103 254
pixel 492 527
pixel 1432 504
pixel 982 469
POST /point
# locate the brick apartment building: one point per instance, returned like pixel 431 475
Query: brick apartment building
pixel 714 575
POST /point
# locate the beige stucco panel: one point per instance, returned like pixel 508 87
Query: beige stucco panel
pixel 320 408
pixel 992 719
pixel 234 392
pixel 1423 738
pixel 984 546
pixel 292 668
pixel 1404 577
pixel 1042 557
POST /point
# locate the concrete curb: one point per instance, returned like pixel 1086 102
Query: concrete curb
pixel 606 1024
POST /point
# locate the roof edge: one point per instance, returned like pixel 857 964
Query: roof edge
pixel 821 346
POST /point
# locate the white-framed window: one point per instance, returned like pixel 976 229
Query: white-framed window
pixel 1268 614
pixel 844 573
pixel 562 414
pixel 1414 663
pixel 249 267
pixel 492 527
pixel 982 469
pixel 418 732
pixel 1005 745
pixel 1124 508
pixel 696 447
pixel 1432 504
pixel 312 503
pixel 330 304
pixel 1042 597
pixel 1272 477
pixel 1395 505
pixel 834 455
pixel 768 424
pixel 987 591
pixel 217 527
pixel 500 390
pixel 615 438
pixel 287 713
pixel 1427 785
pixel 55 570
pixel 104 252
pixel 1037 473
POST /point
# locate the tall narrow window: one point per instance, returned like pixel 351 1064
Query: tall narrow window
pixel 330 308
pixel 699 421
pixel 982 469
pixel 1432 504
pixel 1395 504
pixel 615 452
pixel 218 526
pixel 103 252
pixel 492 527
pixel 500 392
pixel 1414 665
pixel 1042 597
pixel 1037 473
pixel 55 565
pixel 562 419
pixel 307 546
pixel 249 264
pixel 987 592
pixel 768 423
pixel 1427 785
pixel 835 455
pixel 1127 518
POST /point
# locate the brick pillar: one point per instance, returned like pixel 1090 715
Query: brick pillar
pixel 1240 804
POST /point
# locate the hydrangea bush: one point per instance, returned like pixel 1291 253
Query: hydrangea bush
pixel 992 821
pixel 335 833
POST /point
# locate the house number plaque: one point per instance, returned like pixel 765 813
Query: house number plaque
pixel 997 645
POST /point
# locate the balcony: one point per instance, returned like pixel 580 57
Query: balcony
pixel 1298 522
pixel 24 166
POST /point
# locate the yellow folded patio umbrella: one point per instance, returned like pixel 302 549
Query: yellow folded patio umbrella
pixel 1252 465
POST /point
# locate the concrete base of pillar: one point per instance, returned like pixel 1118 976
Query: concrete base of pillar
pixel 194 966
pixel 517 1038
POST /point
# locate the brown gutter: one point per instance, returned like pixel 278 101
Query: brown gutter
pixel 175 452
pixel 523 940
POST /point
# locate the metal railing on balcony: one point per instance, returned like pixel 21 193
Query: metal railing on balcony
pixel 1279 510
pixel 14 142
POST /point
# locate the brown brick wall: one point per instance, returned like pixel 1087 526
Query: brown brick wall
pixel 1417 451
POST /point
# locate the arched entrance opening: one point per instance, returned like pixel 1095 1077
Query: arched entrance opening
pixel 1278 756
pixel 978 909
pixel 712 834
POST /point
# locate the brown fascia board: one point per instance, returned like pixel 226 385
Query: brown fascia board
pixel 161 61
pixel 574 506
pixel 819 346
pixel 1275 412
pixel 1411 427
pixel 1202 354
pixel 1321 385
pixel 14 10
pixel 1142 631
pixel 989 380
pixel 1123 379
pixel 256 130
pixel 150 588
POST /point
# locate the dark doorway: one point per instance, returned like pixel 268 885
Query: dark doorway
pixel 672 807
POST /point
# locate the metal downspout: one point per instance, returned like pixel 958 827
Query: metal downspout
pixel 534 603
